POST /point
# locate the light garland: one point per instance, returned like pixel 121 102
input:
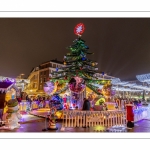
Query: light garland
pixel 144 77
pixel 140 110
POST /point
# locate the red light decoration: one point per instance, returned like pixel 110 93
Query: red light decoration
pixel 79 29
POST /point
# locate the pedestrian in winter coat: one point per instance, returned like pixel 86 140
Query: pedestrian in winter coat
pixel 86 104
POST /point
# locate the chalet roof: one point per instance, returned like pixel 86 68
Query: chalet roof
pixel 4 86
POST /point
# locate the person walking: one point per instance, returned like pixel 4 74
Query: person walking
pixel 86 104
pixel 86 107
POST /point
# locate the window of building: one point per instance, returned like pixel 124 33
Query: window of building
pixel 40 87
pixel 34 85
pixel 41 80
pixel 36 76
pixel 44 80
pixel 54 65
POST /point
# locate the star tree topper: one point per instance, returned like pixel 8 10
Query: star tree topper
pixel 79 29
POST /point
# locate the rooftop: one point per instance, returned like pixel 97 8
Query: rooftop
pixel 54 60
pixel 5 85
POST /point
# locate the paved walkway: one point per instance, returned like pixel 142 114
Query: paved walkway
pixel 43 112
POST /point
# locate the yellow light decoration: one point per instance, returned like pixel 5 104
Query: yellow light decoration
pixel 65 63
pixel 87 76
pixel 93 64
pixel 59 114
pixel 106 90
pixel 100 100
pixel 59 86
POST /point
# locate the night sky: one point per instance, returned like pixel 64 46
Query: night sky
pixel 121 46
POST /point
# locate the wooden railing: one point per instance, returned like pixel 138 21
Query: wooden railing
pixel 93 118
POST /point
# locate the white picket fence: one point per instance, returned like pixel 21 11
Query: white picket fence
pixel 93 118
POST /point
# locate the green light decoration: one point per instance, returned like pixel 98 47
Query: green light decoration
pixel 93 88
pixel 77 64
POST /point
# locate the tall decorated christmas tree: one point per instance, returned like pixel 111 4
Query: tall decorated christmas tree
pixel 78 71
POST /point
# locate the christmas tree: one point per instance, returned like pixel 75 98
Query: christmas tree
pixel 78 66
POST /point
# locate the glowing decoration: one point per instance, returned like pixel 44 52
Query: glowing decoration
pixel 103 73
pixel 99 90
pixel 59 114
pixel 106 90
pixel 79 29
pixel 13 115
pixel 52 119
pixel 115 81
pixel 144 77
pixel 117 129
pixel 77 84
pixel 49 87
pixel 65 63
pixel 6 79
pixel 57 102
pixel 83 58
pixel 100 101
pixel 56 69
pixel 111 105
pixel 93 64
pixel 113 92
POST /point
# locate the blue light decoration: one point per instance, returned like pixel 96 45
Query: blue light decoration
pixel 103 73
pixel 140 110
pixel 57 102
pixel 56 69
pixel 83 58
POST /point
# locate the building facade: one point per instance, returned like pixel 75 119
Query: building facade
pixel 40 75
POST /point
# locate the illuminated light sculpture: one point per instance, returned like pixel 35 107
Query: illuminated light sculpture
pixel 13 115
pixel 115 81
pixel 129 84
pixel 144 77
pixel 77 85
pixel 79 29
pixel 49 87
pixel 142 87
pixel 122 83
pixel 52 119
